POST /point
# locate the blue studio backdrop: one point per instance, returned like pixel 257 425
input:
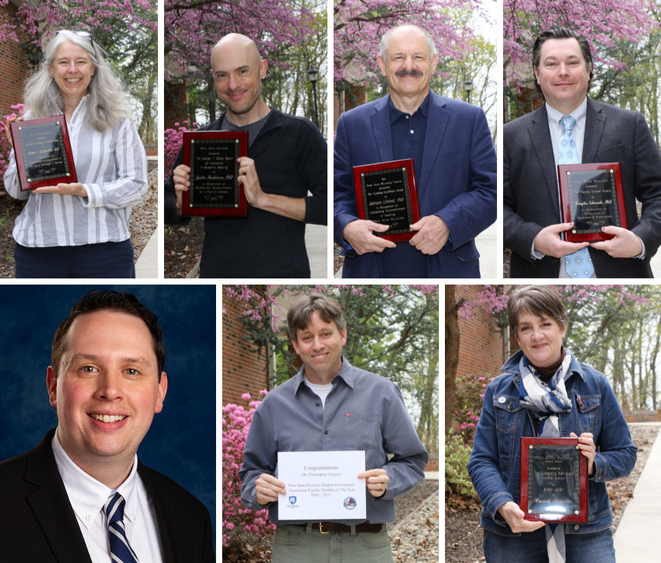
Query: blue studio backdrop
pixel 182 440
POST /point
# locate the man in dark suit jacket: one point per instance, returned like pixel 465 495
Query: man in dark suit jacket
pixel 455 164
pixel 532 226
pixel 106 382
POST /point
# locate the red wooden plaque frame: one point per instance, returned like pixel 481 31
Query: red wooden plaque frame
pixel 571 236
pixel 17 127
pixel 242 209
pixel 413 193
pixel 582 516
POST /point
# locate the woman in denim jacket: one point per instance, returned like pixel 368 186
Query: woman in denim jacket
pixel 545 391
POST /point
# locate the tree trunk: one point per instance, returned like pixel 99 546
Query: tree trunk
pixel 451 351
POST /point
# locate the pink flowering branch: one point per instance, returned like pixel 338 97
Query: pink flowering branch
pixel 359 25
pixel 601 22
pixel 194 26
pixel 240 524
pixel 5 148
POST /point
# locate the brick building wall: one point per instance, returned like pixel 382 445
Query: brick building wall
pixel 481 345
pixel 344 101
pixel 14 66
pixel 244 371
pixel 529 100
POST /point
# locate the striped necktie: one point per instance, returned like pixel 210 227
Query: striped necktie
pixel 120 550
pixel 578 264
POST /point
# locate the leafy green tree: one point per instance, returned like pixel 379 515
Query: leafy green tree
pixel 391 331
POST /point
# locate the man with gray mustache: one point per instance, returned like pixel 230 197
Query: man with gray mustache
pixel 455 169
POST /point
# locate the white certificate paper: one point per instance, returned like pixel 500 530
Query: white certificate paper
pixel 322 486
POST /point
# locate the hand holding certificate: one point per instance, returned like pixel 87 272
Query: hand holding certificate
pixel 322 485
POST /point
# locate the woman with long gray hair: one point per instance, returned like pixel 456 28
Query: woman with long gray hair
pixel 81 229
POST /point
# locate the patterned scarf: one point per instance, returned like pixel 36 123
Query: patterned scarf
pixel 545 401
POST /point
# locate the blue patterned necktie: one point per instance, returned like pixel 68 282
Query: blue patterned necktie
pixel 578 264
pixel 120 550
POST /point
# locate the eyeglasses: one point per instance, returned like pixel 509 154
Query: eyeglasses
pixel 78 33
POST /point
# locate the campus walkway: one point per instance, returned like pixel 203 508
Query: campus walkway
pixel 637 536
pixel 315 242
pixel 147 264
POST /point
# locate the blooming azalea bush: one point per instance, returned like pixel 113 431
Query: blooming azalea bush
pixel 239 523
pixel 5 147
pixel 173 139
pixel 470 394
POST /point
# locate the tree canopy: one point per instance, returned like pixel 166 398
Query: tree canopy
pixel 392 331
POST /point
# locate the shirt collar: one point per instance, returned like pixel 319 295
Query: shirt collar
pixel 346 373
pixel 86 494
pixel 578 114
pixel 395 113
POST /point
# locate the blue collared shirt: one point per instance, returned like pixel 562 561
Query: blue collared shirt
pixel 364 411
pixel 408 141
pixel 408 134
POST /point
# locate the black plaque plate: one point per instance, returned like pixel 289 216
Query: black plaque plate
pixel 386 193
pixel 553 485
pixel 591 196
pixel 214 177
pixel 43 152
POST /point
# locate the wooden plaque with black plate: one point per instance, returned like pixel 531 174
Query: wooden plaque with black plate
pixel 386 193
pixel 214 177
pixel 554 480
pixel 43 152
pixel 591 197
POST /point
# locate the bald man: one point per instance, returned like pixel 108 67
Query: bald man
pixel 455 168
pixel 287 163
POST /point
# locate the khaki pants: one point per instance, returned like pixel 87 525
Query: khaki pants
pixel 305 545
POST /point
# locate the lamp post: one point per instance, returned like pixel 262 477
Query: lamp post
pixel 468 86
pixel 312 73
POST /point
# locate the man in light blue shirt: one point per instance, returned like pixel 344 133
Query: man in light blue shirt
pixel 532 224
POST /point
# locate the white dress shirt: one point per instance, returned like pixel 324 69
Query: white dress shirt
pixel 87 497
pixel 112 166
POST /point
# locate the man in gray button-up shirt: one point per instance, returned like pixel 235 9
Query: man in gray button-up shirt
pixel 331 406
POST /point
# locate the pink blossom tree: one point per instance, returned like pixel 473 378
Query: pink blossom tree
pixel 8 27
pixel 595 314
pixel 194 26
pixel 125 29
pixel 359 25
pixel 602 22
pixel 281 30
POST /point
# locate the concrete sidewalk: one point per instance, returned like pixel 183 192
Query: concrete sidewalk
pixel 147 264
pixel 486 243
pixel 637 536
pixel 316 245
pixel 655 264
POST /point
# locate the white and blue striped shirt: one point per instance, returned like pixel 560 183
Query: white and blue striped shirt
pixel 112 166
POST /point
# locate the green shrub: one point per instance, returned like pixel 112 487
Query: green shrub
pixel 457 454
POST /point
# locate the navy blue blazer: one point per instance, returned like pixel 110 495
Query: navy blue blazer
pixel 457 181
pixel 39 524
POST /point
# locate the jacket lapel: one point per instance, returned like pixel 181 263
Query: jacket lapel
pixel 595 121
pixel 540 137
pixel 437 122
pixel 51 505
pixel 381 126
pixel 167 527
